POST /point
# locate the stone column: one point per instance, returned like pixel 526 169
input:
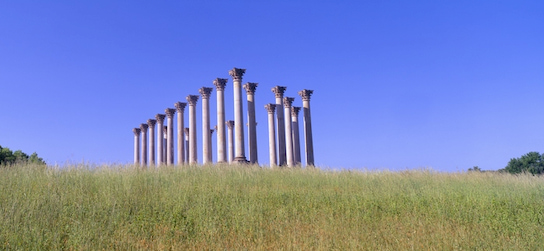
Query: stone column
pixel 160 136
pixel 164 144
pixel 220 84
pixel 170 136
pixel 192 99
pixel 210 152
pixel 151 124
pixel 230 125
pixel 306 94
pixel 287 101
pixel 271 134
pixel 205 94
pixel 236 75
pixel 252 123
pixel 136 132
pixel 296 136
pixel 186 145
pixel 180 108
pixel 143 128
pixel 278 92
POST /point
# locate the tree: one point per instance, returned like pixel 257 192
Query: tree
pixel 531 162
pixel 7 157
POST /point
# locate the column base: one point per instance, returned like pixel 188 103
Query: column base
pixel 240 160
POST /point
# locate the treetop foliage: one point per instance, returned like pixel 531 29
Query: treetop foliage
pixel 532 162
pixel 7 157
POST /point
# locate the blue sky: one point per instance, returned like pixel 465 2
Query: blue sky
pixel 397 84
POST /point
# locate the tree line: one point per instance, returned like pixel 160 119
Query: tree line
pixel 8 157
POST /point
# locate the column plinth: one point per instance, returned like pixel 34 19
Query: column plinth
pixel 236 75
pixel 143 128
pixel 296 136
pixel 308 140
pixel 180 108
pixel 230 125
pixel 252 123
pixel 136 132
pixel 278 93
pixel 220 84
pixel 151 124
pixel 205 93
pixel 271 134
pixel 192 99
pixel 160 136
pixel 287 101
pixel 170 136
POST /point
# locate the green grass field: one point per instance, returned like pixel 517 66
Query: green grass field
pixel 224 207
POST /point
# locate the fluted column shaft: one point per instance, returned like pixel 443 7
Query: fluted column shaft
pixel 151 124
pixel 160 136
pixel 136 132
pixel 205 94
pixel 288 132
pixel 309 145
pixel 230 125
pixel 143 128
pixel 186 145
pixel 180 108
pixel 170 136
pixel 220 84
pixel 252 123
pixel 238 115
pixel 271 134
pixel 278 92
pixel 192 99
pixel 296 136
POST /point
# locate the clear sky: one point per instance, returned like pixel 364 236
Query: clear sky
pixel 397 84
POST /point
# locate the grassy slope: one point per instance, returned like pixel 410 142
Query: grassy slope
pixel 240 208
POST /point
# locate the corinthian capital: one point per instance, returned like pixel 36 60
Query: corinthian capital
pixel 287 101
pixel 220 83
pixel 191 99
pixel 270 108
pixel 180 106
pixel 250 87
pixel 160 118
pixel 230 124
pixel 294 111
pixel 136 131
pixel 170 112
pixel 237 74
pixel 151 122
pixel 278 91
pixel 205 92
pixel 144 127
pixel 305 94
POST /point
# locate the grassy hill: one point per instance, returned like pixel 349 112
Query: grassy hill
pixel 224 207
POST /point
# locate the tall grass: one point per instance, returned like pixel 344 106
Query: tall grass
pixel 225 207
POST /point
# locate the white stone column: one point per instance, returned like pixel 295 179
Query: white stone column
pixel 296 136
pixel 252 123
pixel 306 94
pixel 230 125
pixel 271 134
pixel 205 94
pixel 136 132
pixel 210 152
pixel 278 92
pixel 287 101
pixel 240 156
pixel 143 128
pixel 186 130
pixel 220 84
pixel 164 144
pixel 151 124
pixel 180 108
pixel 160 136
pixel 170 136
pixel 192 99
